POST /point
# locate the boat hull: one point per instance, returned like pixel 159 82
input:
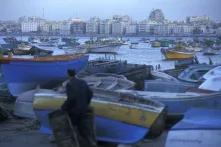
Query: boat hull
pixel 177 105
pixel 105 49
pixel 21 76
pixel 106 129
pixel 175 55
pixel 115 122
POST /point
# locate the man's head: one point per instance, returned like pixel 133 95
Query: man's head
pixel 71 73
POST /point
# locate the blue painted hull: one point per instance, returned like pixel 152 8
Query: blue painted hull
pixel 21 76
pixel 180 106
pixel 106 129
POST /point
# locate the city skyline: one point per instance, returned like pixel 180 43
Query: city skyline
pixel 137 9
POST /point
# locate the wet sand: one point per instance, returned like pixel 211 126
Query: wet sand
pixel 24 133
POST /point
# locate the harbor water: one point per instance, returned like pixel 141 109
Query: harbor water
pixel 143 54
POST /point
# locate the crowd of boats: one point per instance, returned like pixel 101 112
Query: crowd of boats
pixel 43 46
pixel 131 101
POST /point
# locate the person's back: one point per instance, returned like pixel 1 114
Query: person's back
pixel 80 96
pixel 77 105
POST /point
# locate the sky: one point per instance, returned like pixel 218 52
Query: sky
pixel 137 9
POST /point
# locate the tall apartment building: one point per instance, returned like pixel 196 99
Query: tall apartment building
pixel 92 26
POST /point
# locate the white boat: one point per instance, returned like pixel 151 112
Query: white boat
pixel 194 74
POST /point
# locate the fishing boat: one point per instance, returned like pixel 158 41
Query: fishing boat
pixel 108 82
pixel 160 85
pixel 119 118
pixel 194 73
pixel 102 46
pixel 178 103
pixel 155 44
pixel 198 128
pixel 173 54
pixel 23 105
pixel 22 73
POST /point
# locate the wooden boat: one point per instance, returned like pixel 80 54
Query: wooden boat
pixel 155 44
pixel 120 118
pixel 159 85
pixel 198 128
pixel 38 70
pixel 194 73
pixel 179 103
pixel 109 82
pixel 172 54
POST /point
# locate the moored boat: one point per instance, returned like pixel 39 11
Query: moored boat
pixel 155 44
pixel 194 73
pixel 172 54
pixel 133 120
pixel 179 103
pixel 26 72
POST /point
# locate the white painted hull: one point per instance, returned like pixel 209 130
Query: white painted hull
pixel 106 49
pixel 194 138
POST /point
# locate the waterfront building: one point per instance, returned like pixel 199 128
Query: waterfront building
pixel 105 27
pixel 29 27
pixel 55 27
pixel 46 27
pixel 161 29
pixel 65 28
pixel 92 26
pixel 108 27
pixel 117 28
pixel 78 26
pixel 187 29
pixel 131 29
pixel 198 20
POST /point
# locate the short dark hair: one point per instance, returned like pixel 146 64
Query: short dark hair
pixel 71 72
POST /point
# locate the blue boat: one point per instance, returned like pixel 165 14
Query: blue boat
pixel 22 74
pixel 117 120
pixel 198 128
pixel 179 103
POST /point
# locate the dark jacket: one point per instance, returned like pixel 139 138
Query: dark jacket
pixel 78 97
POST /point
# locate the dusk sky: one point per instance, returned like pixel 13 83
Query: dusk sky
pixel 138 9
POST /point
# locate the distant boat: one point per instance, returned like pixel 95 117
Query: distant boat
pixel 119 118
pixel 102 46
pixel 172 54
pixel 26 72
pixel 198 128
pixel 155 44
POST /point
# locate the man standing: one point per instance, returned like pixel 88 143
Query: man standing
pixel 77 105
